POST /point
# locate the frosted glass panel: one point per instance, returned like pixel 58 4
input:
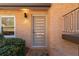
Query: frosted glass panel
pixel 39 30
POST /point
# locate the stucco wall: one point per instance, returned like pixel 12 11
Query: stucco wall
pixel 23 25
pixel 58 46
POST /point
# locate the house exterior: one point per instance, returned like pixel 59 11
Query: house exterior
pixel 58 46
pixel 22 21
pixel 21 26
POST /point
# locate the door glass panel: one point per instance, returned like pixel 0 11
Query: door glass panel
pixel 39 30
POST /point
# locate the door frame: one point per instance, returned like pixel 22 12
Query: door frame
pixel 46 31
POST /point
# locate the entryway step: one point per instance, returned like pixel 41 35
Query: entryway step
pixel 37 52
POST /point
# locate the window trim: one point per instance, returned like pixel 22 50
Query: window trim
pixel 10 36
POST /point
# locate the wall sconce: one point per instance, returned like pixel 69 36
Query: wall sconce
pixel 25 11
pixel 25 15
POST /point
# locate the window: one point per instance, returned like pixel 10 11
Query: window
pixel 71 22
pixel 8 26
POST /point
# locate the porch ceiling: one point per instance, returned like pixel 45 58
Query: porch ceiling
pixel 24 5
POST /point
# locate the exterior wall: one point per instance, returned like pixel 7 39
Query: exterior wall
pixel 23 25
pixel 58 46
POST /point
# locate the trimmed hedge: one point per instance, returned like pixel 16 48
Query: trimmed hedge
pixel 12 47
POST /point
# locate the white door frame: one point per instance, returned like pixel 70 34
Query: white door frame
pixel 46 31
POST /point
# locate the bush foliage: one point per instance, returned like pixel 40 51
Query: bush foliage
pixel 12 47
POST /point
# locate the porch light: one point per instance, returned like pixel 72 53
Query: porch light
pixel 25 15
pixel 25 12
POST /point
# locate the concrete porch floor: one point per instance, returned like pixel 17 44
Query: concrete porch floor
pixel 37 52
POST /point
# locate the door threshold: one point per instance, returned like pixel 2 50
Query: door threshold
pixel 39 46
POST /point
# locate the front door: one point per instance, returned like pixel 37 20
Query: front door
pixel 39 31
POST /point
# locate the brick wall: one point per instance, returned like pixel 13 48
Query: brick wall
pixel 58 46
pixel 23 25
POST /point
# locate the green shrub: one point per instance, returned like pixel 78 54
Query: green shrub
pixel 12 47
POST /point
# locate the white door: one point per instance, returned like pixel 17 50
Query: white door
pixel 39 31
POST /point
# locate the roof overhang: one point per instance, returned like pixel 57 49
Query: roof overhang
pixel 24 5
